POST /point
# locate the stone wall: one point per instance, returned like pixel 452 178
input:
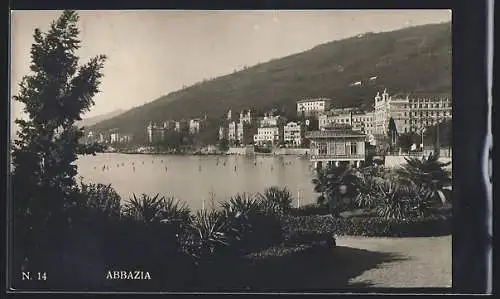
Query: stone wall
pixel 292 151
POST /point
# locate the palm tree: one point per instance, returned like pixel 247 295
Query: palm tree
pixel 334 182
pixel 429 174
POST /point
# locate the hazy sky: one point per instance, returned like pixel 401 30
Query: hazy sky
pixel 151 53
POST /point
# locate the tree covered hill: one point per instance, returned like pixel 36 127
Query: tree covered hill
pixel 415 60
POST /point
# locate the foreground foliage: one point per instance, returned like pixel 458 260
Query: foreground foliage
pixel 430 174
pixel 55 95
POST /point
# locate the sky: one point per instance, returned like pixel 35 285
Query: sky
pixel 152 53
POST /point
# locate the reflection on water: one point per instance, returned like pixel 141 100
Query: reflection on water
pixel 193 178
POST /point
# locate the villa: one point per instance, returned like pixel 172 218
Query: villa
pixel 337 144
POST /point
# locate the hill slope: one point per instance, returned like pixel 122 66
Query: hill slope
pixel 415 60
pixel 87 122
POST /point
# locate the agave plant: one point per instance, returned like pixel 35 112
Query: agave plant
pixel 173 209
pixel 276 199
pixel 239 211
pixel 145 208
pixel 392 200
pixel 367 196
pixel 207 234
pixel 428 173
pixel 244 204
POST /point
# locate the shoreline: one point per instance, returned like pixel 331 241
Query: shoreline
pixel 207 154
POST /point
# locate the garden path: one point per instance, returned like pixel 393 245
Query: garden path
pixel 420 262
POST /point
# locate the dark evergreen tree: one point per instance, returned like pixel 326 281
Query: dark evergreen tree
pixel 392 133
pixel 55 95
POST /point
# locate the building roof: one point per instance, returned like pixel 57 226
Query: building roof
pixel 314 100
pixel 333 133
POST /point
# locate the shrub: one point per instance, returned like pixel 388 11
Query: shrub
pixel 368 226
pixel 100 197
pixel 280 200
pixel 252 223
pixel 310 209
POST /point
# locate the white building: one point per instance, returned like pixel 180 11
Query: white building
pixel 223 133
pixel 194 126
pixel 155 133
pixel 232 133
pixel 181 126
pixel 362 122
pixel 115 137
pixel 246 118
pixel 268 135
pixel 313 107
pixel 409 114
pixel 271 120
pixel 336 145
pixel 101 139
pixel 293 134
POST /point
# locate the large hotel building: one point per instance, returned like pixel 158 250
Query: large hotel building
pixel 409 114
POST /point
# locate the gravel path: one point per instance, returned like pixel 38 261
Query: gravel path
pixel 408 262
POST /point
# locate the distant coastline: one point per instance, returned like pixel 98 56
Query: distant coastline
pixel 302 152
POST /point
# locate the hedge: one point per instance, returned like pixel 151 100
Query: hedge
pixel 366 226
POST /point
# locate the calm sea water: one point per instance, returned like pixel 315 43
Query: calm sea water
pixel 193 178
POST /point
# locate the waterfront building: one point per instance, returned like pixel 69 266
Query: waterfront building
pixel 313 107
pixel 115 137
pixel 155 133
pixel 246 118
pixel 195 125
pixel 244 132
pixel 223 131
pixel 343 110
pixel 270 120
pixel 293 134
pixel 101 138
pixel 362 122
pixel 336 144
pixel 181 126
pixel 410 114
pixel 125 138
pixel 232 131
pixel 270 135
pixel 169 125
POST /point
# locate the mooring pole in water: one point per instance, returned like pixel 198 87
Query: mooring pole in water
pixel 203 204
pixel 298 199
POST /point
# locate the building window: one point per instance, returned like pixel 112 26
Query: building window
pixel 340 148
pixel 322 148
pixel 354 148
